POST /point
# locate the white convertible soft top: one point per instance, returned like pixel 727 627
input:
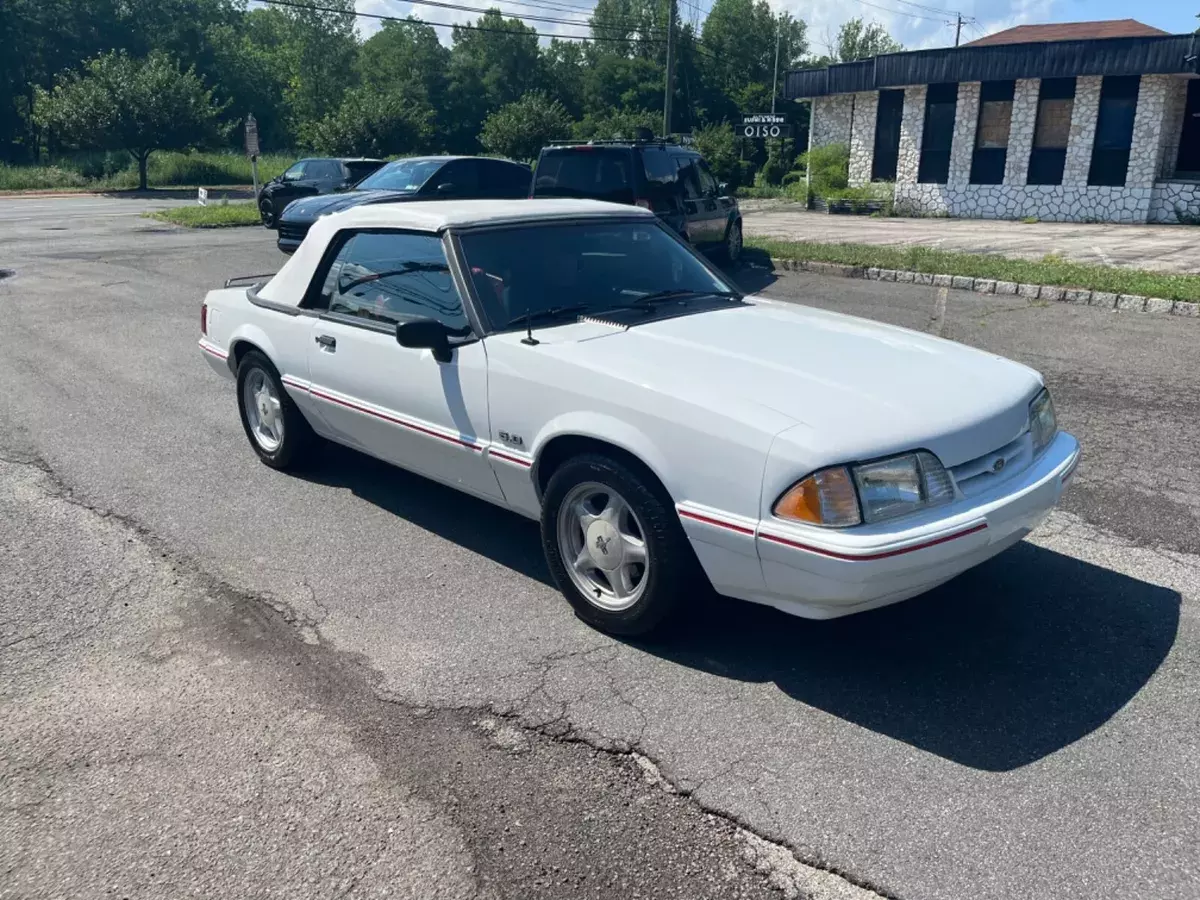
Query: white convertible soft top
pixel 289 284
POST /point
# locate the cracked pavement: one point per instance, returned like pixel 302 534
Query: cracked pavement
pixel 1027 730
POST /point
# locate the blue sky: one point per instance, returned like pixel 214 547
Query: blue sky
pixel 915 23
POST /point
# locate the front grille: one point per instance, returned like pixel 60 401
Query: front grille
pixel 291 232
pixel 978 475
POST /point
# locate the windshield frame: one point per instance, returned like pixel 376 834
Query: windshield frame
pixel 489 327
pixel 411 160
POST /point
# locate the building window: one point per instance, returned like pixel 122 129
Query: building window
pixel 1048 158
pixel 941 101
pixel 1188 161
pixel 1114 130
pixel 991 134
pixel 887 135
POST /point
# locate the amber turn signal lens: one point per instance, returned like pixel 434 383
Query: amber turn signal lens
pixel 823 498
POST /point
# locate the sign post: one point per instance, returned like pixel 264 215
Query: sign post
pixel 764 125
pixel 252 149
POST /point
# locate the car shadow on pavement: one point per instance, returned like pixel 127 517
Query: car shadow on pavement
pixel 1001 667
pixel 755 272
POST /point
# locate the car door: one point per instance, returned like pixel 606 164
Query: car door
pixel 699 210
pixel 721 205
pixel 398 403
pixel 456 180
pixel 503 180
pixel 326 176
pixel 297 181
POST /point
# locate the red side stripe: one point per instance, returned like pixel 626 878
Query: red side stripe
pixel 847 557
pixel 213 351
pixel 740 529
pixel 512 459
pixel 394 420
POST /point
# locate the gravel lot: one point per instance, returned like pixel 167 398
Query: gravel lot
pixel 222 679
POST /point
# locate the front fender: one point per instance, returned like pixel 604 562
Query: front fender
pixel 610 430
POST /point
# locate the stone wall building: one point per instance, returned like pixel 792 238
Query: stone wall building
pixel 1091 121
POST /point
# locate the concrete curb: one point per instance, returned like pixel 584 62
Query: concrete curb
pixel 1100 299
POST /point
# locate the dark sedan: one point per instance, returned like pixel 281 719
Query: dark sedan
pixel 308 177
pixel 414 178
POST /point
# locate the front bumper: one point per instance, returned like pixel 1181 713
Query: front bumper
pixel 291 236
pixel 823 574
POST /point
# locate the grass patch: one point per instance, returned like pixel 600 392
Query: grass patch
pixel 118 172
pixel 1052 270
pixel 213 216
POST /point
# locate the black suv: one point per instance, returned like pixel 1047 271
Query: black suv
pixel 308 177
pixel 412 178
pixel 668 178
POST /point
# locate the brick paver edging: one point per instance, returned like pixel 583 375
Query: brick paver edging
pixel 1101 299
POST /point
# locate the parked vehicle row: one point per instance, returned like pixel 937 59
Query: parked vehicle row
pixel 581 364
pixel 670 180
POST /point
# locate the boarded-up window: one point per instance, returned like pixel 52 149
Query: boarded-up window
pixel 1056 104
pixel 991 132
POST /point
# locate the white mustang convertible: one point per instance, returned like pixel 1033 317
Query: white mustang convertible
pixel 578 363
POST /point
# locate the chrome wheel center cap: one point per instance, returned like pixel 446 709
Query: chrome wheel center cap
pixel 604 546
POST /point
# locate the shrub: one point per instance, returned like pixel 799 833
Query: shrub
pixel 828 168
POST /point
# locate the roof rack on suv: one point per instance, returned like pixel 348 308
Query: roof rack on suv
pixel 612 142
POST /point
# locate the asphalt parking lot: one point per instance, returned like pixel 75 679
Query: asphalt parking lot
pixel 212 673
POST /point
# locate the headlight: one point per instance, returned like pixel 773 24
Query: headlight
pixel 1043 424
pixel 873 492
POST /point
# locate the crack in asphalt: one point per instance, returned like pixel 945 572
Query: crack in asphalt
pixel 560 728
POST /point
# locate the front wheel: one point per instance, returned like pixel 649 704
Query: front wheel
pixel 266 211
pixel 614 546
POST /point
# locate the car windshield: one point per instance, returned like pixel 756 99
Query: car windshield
pixel 581 269
pixel 597 173
pixel 401 175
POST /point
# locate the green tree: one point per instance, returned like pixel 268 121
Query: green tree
pixel 371 123
pixel 616 124
pixel 405 56
pixel 858 40
pixel 137 105
pixel 521 129
pixel 737 59
pixel 488 69
pixel 565 74
pixel 718 143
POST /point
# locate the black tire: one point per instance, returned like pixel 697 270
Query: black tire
pixel 298 436
pixel 673 571
pixel 732 249
pixel 266 211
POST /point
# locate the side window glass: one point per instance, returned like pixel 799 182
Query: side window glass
pixel 295 172
pixel 691 181
pixel 392 277
pixel 708 184
pixel 328 169
pixel 461 173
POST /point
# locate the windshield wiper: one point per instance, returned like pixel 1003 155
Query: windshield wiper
pixel 554 312
pixel 679 294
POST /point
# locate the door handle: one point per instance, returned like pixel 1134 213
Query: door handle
pixel 327 342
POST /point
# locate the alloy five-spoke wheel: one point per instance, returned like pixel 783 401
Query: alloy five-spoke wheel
pixel 615 545
pixel 604 547
pixel 264 411
pixel 277 430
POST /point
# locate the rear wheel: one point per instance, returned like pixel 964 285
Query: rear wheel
pixel 733 242
pixel 277 430
pixel 615 546
pixel 266 211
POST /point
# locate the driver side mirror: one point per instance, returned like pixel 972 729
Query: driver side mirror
pixel 425 334
pixel 447 188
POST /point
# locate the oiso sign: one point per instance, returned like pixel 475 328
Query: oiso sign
pixel 764 125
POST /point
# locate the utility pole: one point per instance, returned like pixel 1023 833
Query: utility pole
pixel 775 71
pixel 958 30
pixel 670 68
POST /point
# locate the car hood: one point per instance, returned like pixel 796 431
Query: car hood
pixel 852 388
pixel 309 209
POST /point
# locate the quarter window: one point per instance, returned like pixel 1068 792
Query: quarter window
pixel 392 277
